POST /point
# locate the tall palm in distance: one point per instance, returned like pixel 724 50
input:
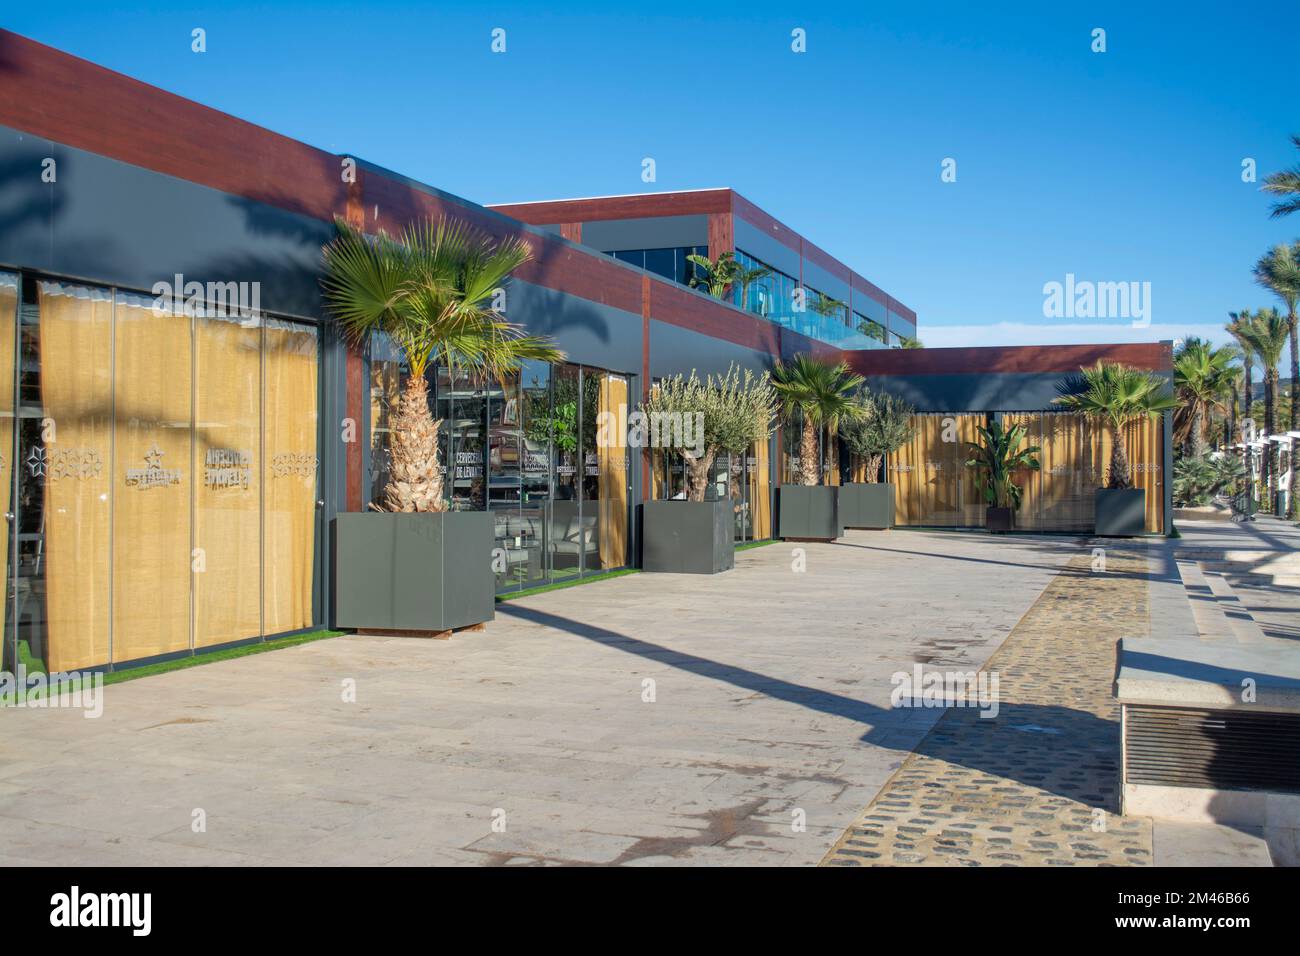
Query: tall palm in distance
pixel 1278 270
pixel 1239 323
pixel 1200 373
pixel 1267 334
pixel 428 289
pixel 824 395
pixel 1285 184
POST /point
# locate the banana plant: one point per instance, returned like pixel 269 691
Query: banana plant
pixel 997 458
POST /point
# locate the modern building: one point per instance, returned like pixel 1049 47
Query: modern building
pixel 804 288
pixel 170 473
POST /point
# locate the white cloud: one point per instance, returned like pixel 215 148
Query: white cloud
pixel 1062 333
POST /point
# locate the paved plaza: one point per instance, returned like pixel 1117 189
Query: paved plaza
pixel 739 719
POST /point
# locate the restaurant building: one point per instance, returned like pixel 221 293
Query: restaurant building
pixel 180 424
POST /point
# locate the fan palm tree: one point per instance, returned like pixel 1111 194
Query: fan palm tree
pixel 719 274
pixel 1268 335
pixel 746 277
pixel 910 343
pixel 1286 183
pixel 1118 395
pixel 823 394
pixel 428 290
pixel 1278 270
pixel 1200 372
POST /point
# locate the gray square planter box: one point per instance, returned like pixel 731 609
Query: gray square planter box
pixel 1120 512
pixel 808 512
pixel 413 572
pixel 866 505
pixel 687 537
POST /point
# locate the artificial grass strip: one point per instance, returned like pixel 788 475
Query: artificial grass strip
pixel 750 545
pixel 180 663
pixel 561 585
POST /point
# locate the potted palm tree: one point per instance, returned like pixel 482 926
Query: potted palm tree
pixel 1118 395
pixel 728 413
pixel 823 395
pixel 997 458
pixel 882 426
pixel 411 565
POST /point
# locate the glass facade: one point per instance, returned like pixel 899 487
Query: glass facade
pixel 670 263
pixel 160 472
pixel 774 298
pixel 531 451
pixel 745 480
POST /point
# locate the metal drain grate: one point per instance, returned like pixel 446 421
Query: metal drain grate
pixel 1215 749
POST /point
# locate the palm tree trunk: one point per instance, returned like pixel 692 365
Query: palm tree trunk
pixel 1120 476
pixel 1271 448
pixel 1198 432
pixel 808 453
pixel 1246 416
pixel 1292 510
pixel 414 481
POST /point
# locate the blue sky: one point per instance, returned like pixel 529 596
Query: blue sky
pixel 1122 166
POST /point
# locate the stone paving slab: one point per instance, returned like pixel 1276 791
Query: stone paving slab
pixel 771 696
pixel 1039 783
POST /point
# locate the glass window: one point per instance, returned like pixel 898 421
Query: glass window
pixel 568 543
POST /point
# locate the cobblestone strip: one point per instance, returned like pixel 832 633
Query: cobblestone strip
pixel 1037 785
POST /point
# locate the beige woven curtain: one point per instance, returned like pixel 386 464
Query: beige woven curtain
pixel 8 319
pixel 152 478
pixel 76 329
pixel 612 479
pixel 933 486
pixel 291 475
pixel 760 491
pixel 227 485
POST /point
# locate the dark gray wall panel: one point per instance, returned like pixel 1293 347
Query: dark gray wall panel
pixel 674 349
pixel 762 246
pixel 589 332
pixel 815 277
pixel 976 392
pixel 114 223
pixel 660 232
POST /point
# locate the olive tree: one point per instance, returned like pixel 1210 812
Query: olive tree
pixel 695 419
pixel 883 426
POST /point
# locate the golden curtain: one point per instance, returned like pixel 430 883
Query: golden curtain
pixel 76 329
pixel 227 489
pixel 1074 455
pixel 612 477
pixel 933 486
pixel 151 481
pixel 291 475
pixel 760 491
pixel 8 319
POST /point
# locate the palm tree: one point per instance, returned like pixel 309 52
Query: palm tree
pixel 1268 335
pixel 824 395
pixel 1240 323
pixel 910 343
pixel 746 277
pixel 1199 375
pixel 1118 395
pixel 427 289
pixel 1278 270
pixel 1285 183
pixel 719 274
pixel 826 306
